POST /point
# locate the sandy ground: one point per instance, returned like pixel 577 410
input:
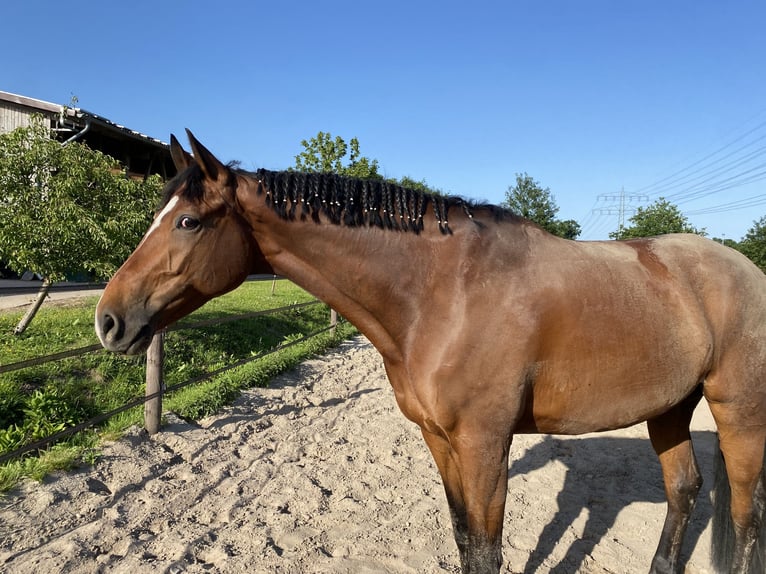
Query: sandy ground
pixel 321 473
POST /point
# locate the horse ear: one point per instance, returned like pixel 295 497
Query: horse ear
pixel 210 165
pixel 181 158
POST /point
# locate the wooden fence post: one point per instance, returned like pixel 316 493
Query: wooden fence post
pixel 333 320
pixel 155 383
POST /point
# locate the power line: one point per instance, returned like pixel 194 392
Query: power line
pixel 753 201
pixel 737 163
pixel 597 225
pixel 728 183
pixel 710 179
pixel 678 179
pixel 711 171
pixel 587 219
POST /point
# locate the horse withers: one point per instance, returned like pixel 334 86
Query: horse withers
pixel 488 326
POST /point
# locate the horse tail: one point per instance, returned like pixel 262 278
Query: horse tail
pixel 722 546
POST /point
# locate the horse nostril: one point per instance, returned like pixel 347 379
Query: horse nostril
pixel 107 323
pixel 111 327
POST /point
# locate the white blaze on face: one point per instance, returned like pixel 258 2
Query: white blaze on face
pixel 155 224
pixel 160 216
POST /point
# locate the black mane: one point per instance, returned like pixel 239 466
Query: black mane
pixel 343 200
pixel 359 202
pixel 194 179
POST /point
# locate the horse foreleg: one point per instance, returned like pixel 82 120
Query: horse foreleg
pixel 475 475
pixel 671 440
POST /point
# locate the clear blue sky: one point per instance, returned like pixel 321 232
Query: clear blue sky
pixel 587 97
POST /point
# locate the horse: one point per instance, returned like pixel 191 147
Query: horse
pixel 488 326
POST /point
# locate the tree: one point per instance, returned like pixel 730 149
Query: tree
pixel 416 185
pixel 531 201
pixel 659 218
pixel 727 242
pixel 326 154
pixel 753 244
pixel 65 209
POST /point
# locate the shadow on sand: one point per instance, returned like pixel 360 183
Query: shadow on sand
pixel 603 477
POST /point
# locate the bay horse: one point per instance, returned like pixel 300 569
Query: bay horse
pixel 488 326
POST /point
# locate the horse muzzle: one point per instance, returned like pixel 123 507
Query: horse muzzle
pixel 128 336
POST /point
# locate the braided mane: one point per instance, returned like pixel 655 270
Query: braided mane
pixel 342 200
pixel 356 202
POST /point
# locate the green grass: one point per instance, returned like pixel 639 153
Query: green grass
pixel 40 400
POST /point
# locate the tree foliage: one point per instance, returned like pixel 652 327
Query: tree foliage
pixel 658 218
pixel 326 154
pixel 753 244
pixel 416 185
pixel 727 242
pixel 528 199
pixel 67 208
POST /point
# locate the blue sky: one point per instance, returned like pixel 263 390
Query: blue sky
pixel 589 97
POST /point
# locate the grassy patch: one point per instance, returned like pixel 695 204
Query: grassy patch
pixel 40 400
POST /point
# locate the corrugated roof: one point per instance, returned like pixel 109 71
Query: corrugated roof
pixel 77 114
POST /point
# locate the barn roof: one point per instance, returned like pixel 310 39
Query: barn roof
pixel 140 153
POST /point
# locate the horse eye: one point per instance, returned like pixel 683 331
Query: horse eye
pixel 187 222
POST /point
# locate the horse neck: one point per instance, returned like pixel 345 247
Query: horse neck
pixel 364 273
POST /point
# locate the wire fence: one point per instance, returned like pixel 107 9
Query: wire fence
pixel 155 388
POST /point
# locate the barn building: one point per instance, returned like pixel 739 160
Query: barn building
pixel 140 154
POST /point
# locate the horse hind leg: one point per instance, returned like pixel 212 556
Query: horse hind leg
pixel 671 440
pixel 739 499
pixel 734 549
pixel 737 398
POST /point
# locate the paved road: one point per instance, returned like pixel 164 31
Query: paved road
pixel 17 294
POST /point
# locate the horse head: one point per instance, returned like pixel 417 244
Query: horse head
pixel 199 246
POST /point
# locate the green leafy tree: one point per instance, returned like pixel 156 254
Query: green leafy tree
pixel 727 242
pixel 326 154
pixel 416 185
pixel 67 208
pixel 753 244
pixel 528 199
pixel 659 218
